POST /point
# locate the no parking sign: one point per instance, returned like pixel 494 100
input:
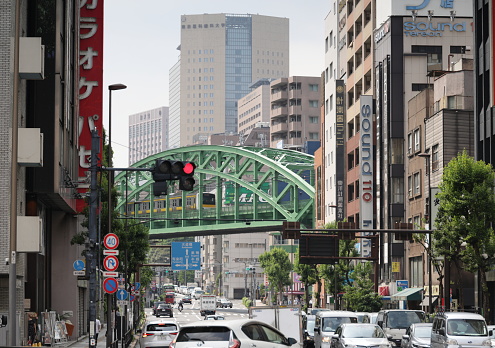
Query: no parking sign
pixel 110 285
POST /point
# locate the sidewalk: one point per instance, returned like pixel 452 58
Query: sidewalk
pixel 83 341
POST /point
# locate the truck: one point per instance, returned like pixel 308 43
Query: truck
pixel 207 304
pixel 287 319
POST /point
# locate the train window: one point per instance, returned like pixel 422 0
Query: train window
pixel 190 201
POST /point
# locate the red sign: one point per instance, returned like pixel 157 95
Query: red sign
pixel 110 285
pixel 90 86
pixel 111 241
pixel 111 263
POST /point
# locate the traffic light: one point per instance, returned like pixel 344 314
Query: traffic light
pixel 166 170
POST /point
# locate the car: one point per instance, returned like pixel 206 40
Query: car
pixel 459 329
pixel 164 309
pixel 158 333
pixel 417 336
pixel 327 322
pixel 224 303
pixel 359 335
pixel 187 299
pixel 363 317
pixel 155 306
pixel 231 334
pixel 214 317
pixel 309 331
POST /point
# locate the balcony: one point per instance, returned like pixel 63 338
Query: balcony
pixel 278 127
pixel 295 94
pixel 278 112
pixel 295 110
pixel 278 95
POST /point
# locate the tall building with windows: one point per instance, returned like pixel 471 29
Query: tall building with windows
pixel 221 56
pixel 148 133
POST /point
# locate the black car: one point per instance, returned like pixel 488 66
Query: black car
pixel 155 306
pixel 164 309
pixel 187 299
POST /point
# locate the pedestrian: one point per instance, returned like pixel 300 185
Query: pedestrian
pixel 32 327
pixel 97 330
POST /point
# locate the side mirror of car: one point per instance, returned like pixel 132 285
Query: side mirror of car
pixel 291 341
pixel 441 331
pixel 405 337
pixel 490 333
pixel 335 337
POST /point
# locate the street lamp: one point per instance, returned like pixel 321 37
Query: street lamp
pixel 427 158
pixel 114 87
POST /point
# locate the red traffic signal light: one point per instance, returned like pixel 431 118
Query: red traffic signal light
pixel 189 168
pixel 165 170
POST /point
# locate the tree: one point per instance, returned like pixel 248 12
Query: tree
pixel 466 210
pixel 359 294
pixel 277 267
pixel 309 276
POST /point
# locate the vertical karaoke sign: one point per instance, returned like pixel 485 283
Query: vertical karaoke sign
pixel 90 85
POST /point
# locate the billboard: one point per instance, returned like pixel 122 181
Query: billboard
pixel 340 146
pixel 90 86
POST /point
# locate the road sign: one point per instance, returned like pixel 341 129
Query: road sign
pixel 110 285
pixel 79 273
pixel 132 298
pixel 137 285
pixel 111 241
pixel 111 263
pixel 186 256
pixel 110 274
pixel 122 295
pixel 78 265
pixel 110 252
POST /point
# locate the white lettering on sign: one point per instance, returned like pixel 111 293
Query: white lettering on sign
pixel 384 30
pixel 429 29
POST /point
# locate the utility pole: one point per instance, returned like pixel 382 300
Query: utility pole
pixel 92 231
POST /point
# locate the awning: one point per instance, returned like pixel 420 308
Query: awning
pixel 426 301
pixel 409 294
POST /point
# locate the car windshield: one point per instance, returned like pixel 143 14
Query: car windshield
pixel 163 306
pixel 204 333
pixel 403 319
pixel 310 326
pixel 423 331
pixel 466 327
pixel 161 327
pixel 330 324
pixel 362 331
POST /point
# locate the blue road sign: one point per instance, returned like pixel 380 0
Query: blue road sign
pixel 78 265
pixel 122 295
pixel 110 285
pixel 186 256
pixel 137 286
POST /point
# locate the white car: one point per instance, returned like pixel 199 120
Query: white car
pixel 158 333
pixel 359 335
pixel 231 334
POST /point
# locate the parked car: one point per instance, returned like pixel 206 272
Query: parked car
pixel 359 335
pixel 214 317
pixel 158 333
pixel 224 303
pixel 231 334
pixel 155 306
pixel 187 299
pixel 308 324
pixel 417 336
pixel 164 309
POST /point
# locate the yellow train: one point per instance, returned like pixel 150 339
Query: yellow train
pixel 175 203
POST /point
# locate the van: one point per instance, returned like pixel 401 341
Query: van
pixel 326 322
pixel 395 322
pixel 459 329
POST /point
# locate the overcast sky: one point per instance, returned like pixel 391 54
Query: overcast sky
pixel 141 39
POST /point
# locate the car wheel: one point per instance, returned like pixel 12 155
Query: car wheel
pixel 171 315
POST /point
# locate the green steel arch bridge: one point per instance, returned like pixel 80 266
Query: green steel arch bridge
pixel 238 190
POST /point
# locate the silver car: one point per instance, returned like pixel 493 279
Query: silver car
pixel 158 333
pixel 231 334
pixel 417 336
pixel 359 335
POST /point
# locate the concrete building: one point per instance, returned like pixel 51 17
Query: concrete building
pixel 295 111
pixel 254 107
pixel 174 108
pixel 221 55
pixel 148 133
pixel 410 44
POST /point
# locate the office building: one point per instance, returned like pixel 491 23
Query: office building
pixel 221 56
pixel 148 133
pixel 254 107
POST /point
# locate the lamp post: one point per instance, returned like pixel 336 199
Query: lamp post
pixel 114 87
pixel 427 158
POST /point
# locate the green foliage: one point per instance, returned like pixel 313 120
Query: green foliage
pixel 277 266
pixel 185 277
pixel 463 232
pixel 246 301
pixel 309 276
pixel 359 295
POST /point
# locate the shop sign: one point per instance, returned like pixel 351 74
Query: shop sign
pixel 429 29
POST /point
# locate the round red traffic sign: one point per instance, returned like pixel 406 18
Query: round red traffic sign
pixel 111 241
pixel 110 285
pixel 111 263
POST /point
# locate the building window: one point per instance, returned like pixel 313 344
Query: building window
pixel 409 186
pixel 416 184
pixel 313 119
pixel 417 140
pixel 313 136
pixel 434 158
pixel 313 103
pixel 313 87
pixel 434 54
pixel 418 87
pixel 458 49
pixel 409 143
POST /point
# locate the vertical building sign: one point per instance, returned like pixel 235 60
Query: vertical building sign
pixel 90 85
pixel 366 180
pixel 492 53
pixel 340 142
pixel 379 161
